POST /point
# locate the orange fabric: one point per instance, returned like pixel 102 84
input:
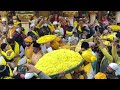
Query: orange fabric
pixel 56 43
pixel 29 51
pixel 11 32
pixel 29 39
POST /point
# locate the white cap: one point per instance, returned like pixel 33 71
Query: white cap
pixel 55 22
pixel 4 19
pixel 32 25
pixel 114 66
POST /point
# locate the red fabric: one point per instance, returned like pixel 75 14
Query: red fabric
pixel 64 28
pixel 53 19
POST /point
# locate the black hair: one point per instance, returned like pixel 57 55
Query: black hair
pixel 75 34
pixel 3 46
pixel 97 28
pixel 11 41
pixel 5 72
pixel 10 22
pixel 84 29
pixel 118 23
pixel 85 45
pixel 35 44
pixel 106 27
pixel 43 31
pixel 70 28
pixel 118 35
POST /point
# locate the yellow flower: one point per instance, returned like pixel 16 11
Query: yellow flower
pixel 58 61
pixel 115 27
pixel 45 39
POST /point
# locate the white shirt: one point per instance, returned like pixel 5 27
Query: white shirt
pixel 22 51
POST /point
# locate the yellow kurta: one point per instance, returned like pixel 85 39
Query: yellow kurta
pixel 11 32
pixel 115 55
pixel 56 43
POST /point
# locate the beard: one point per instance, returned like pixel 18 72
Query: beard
pixel 109 72
pixel 28 45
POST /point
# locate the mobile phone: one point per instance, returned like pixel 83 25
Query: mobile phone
pixel 22 69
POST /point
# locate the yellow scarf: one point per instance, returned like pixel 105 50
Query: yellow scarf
pixel 17 48
pixel 35 33
pixel 29 51
pixel 25 31
pixel 52 28
pixel 11 55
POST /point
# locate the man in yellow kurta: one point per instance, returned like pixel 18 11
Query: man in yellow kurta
pixel 28 51
pixel 37 54
pixel 18 49
pixel 11 30
pixel 29 47
pixel 7 52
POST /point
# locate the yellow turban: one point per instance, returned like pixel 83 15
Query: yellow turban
pixel 29 39
pixel 100 75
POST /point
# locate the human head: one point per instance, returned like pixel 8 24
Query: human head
pixel 32 26
pixel 84 35
pixel 4 20
pixel 55 23
pixel 10 24
pixel 84 46
pixel 105 32
pixel 91 44
pixel 118 35
pixel 36 47
pixel 112 68
pixel 18 29
pixel 4 47
pixel 11 41
pixel 14 19
pixel 28 41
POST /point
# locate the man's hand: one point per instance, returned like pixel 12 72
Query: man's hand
pixel 8 54
pixel 17 55
pixel 98 40
pixel 31 69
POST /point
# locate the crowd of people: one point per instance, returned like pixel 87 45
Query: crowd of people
pixel 98 45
